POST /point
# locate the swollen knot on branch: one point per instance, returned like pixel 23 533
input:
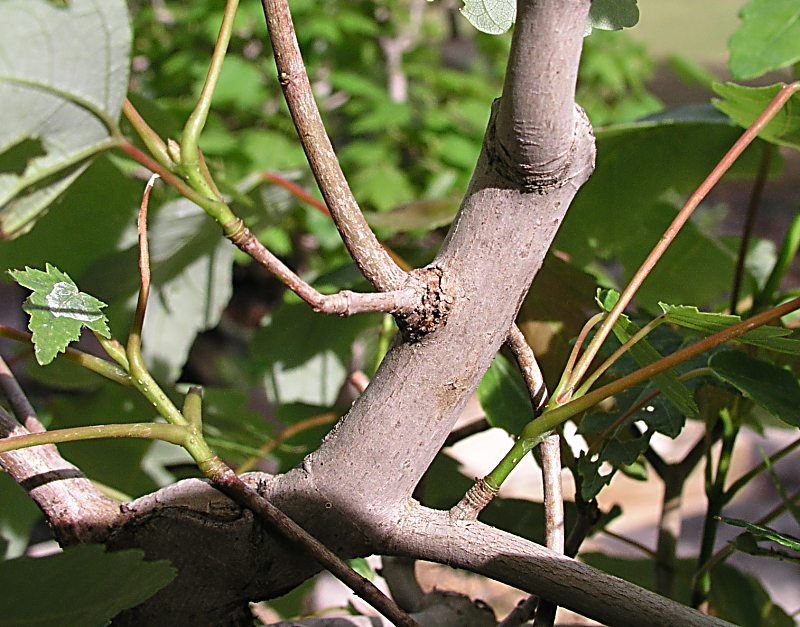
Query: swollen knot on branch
pixel 541 178
pixel 431 313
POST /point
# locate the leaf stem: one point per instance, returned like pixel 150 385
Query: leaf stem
pixel 537 429
pixel 757 470
pixel 146 430
pixel 90 362
pixel 672 231
pixel 197 120
pixel 151 139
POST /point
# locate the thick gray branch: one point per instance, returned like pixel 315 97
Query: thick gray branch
pixel 74 508
pixel 536 113
pixel 473 546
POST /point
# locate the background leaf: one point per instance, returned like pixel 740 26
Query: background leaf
pixel 63 77
pixel 82 587
pixel 504 396
pixel 744 104
pixel 774 388
pixel 768 38
pixel 613 14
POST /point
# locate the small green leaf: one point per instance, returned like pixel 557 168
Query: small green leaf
pixel 768 38
pixel 83 586
pixel 774 338
pixel 504 396
pixel 362 567
pixel 58 311
pixel 775 389
pixel 744 104
pixel 490 16
pixel 612 15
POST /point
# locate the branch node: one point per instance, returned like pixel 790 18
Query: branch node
pixel 474 501
pixel 435 305
pixel 539 178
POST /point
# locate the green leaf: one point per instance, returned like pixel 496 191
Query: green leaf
pixel 63 77
pixel 504 396
pixel 304 355
pixel 744 104
pixel 82 587
pixel 773 338
pixel 612 14
pixel 775 389
pixel 764 533
pixel 58 311
pixel 767 39
pixel 490 16
pixel 644 354
pixel 620 211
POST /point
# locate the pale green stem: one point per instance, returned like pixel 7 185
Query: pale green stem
pixel 145 430
pixel 636 337
pixel 197 120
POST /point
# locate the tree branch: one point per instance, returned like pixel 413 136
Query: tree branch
pixel 537 113
pixel 370 257
pixel 74 508
pixel 428 534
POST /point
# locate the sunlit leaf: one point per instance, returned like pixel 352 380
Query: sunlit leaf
pixel 767 39
pixel 490 16
pixel 744 104
pixel 58 311
pixel 63 77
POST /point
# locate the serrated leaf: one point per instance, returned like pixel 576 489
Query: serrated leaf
pixel 494 17
pixel 504 396
pixel 767 39
pixel 83 586
pixel 612 15
pixel 58 311
pixel 775 389
pixel 773 338
pixel 744 104
pixel 644 354
pixel 63 77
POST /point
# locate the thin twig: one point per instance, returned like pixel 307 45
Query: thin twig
pixel 747 230
pixel 18 400
pixel 232 485
pixel 550 453
pixel 669 235
pixel 370 257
